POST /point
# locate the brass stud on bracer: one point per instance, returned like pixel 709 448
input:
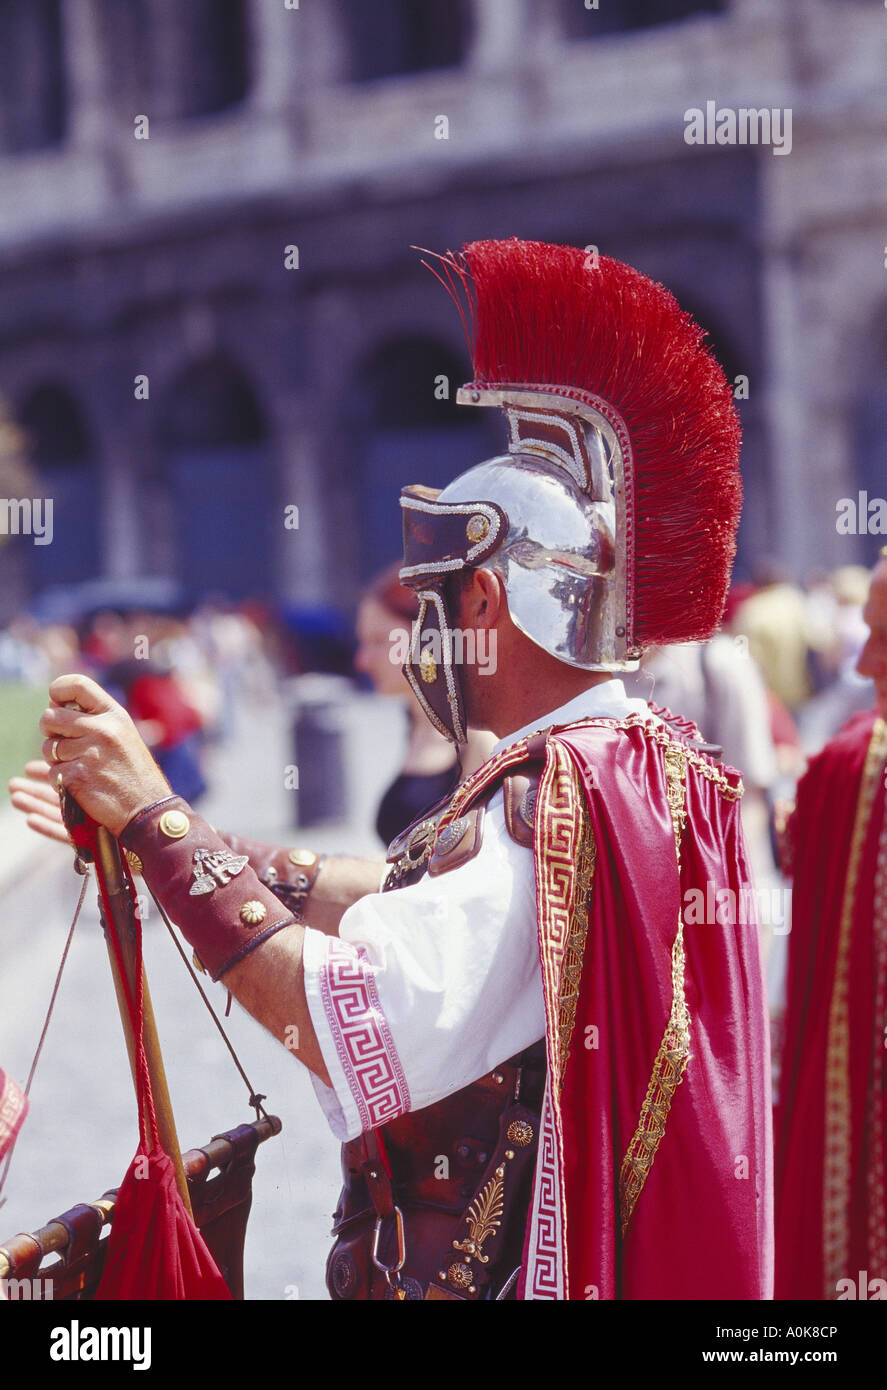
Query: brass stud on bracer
pixel 174 825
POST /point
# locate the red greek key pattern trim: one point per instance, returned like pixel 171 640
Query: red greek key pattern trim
pixel 545 1259
pixel 559 848
pixel 559 852
pixel 360 1032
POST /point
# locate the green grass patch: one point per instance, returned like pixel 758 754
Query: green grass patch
pixel 20 709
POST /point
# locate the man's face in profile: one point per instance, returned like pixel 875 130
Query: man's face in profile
pixel 873 658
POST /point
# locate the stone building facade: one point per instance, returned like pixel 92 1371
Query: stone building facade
pixel 210 311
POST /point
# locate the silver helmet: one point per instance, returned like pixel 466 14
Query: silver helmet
pixel 561 486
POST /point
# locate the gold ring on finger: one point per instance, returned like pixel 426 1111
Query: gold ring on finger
pixel 55 751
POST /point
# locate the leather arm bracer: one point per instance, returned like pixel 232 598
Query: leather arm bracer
pixel 212 893
pixel 288 872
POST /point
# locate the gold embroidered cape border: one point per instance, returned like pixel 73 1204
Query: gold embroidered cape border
pixel 565 854
pixel 674 1050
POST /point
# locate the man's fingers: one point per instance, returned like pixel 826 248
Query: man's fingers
pixel 51 829
pixel 39 802
pixel 67 723
pixel 68 750
pixel 33 787
pixel 33 797
pixel 38 769
pixel 81 690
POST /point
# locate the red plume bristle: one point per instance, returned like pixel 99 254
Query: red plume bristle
pixel 545 315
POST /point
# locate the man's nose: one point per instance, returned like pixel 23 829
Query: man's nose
pixel 871 659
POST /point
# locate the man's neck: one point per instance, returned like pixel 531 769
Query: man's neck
pixel 532 700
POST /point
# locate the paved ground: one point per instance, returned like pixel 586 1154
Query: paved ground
pixel 81 1131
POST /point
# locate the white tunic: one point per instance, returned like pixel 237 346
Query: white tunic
pixel 429 987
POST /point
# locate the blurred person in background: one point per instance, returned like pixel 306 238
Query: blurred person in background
pixel 831 1121
pixel 431 767
pixel 221 659
pixel 127 654
pixel 841 636
pixel 774 619
pixel 718 687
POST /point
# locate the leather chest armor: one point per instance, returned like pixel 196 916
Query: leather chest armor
pixel 434 1204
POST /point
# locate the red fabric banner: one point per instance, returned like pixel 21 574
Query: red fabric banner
pixel 155 1250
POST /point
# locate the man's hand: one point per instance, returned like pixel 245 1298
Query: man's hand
pixel 98 753
pixel 37 798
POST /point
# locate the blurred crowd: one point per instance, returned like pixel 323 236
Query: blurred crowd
pixel 771 689
pixel 182 676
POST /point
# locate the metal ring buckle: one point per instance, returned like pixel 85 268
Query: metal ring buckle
pixel 389 1270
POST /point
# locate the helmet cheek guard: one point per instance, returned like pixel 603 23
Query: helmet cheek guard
pixel 431 670
pixel 439 540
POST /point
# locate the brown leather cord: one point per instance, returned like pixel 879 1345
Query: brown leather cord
pixel 255 1099
pixel 45 1030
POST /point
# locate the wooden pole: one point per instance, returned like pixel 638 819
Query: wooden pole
pixel 109 863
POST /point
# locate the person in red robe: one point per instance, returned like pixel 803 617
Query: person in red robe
pixel 831 1121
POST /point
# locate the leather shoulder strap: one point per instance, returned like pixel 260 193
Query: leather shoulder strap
pixel 459 841
pixel 519 792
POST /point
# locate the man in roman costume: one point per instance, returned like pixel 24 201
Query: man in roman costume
pixel 831 1126
pixel 546 1086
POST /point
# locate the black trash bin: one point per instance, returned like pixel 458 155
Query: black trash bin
pixel 318 751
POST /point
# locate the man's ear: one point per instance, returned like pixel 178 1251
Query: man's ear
pixel 481 598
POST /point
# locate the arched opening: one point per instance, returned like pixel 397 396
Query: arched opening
pixel 869 428
pixel 61 453
pixel 397 36
pixel 581 22
pixel 128 57
pixel 211 505
pixel 33 95
pixel 177 60
pixel 409 430
pixel 214 41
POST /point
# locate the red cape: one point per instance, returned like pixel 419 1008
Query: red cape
pixel 654 1169
pixel 701 1227
pixel 830 1172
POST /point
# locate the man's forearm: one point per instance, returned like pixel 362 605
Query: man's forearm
pixel 240 930
pixel 340 882
pixel 284 1009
